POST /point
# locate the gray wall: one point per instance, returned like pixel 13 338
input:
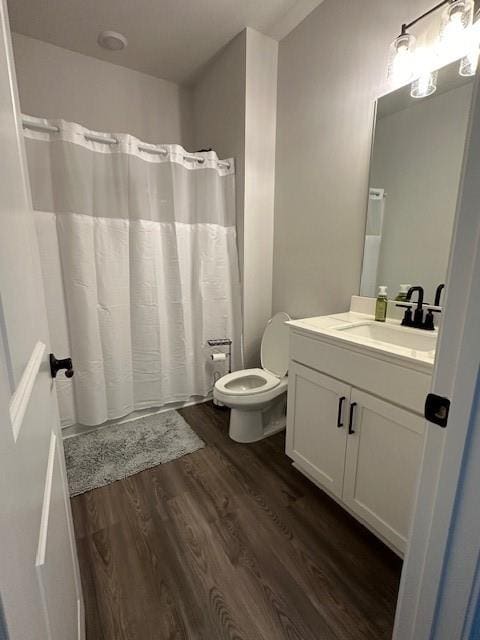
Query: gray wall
pixel 260 141
pixel 417 158
pixel 57 83
pixel 234 107
pixel 331 69
pixel 219 114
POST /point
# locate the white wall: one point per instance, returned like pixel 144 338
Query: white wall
pixel 331 69
pixel 57 83
pixel 234 106
pixel 417 158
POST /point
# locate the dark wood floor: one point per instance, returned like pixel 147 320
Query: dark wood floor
pixel 229 542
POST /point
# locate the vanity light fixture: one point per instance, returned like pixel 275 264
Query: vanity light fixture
pixel 424 85
pixel 401 59
pixel 456 19
pixel 425 82
pixel 469 63
pixel 457 39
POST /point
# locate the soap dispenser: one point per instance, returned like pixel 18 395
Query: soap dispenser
pixel 402 292
pixel 381 305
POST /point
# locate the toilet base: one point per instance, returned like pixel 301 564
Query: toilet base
pixel 252 426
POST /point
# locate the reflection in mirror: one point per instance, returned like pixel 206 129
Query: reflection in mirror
pixel 414 177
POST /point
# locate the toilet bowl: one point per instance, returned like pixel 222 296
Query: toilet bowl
pixel 258 397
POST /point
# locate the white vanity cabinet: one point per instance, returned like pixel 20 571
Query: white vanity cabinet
pixel 363 450
pixel 317 404
pixel 382 460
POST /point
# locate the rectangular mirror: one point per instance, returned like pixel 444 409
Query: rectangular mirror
pixel 414 178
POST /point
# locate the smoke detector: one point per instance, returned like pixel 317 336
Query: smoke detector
pixel 112 40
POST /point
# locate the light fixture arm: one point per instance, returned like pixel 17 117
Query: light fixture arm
pixel 424 15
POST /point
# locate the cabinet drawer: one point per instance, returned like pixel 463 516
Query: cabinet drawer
pixel 401 385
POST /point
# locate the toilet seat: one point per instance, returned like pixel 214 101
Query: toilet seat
pixel 274 352
pixel 251 402
pixel 274 358
pixel 247 382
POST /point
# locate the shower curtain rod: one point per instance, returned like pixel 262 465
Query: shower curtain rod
pixel 37 126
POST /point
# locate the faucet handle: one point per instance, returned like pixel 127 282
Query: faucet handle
pixel 407 318
pixel 429 324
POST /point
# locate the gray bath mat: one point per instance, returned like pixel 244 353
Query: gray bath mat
pixel 114 452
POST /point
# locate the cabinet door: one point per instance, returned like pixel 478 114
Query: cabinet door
pixel 316 425
pixel 383 459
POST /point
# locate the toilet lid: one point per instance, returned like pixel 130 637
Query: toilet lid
pixel 274 352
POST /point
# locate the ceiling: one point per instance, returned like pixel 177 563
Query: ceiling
pixel 171 39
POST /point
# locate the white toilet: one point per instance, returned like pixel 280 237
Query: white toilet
pixel 258 397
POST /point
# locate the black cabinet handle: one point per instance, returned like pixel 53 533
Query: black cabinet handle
pixel 350 421
pixel 340 407
pixel 58 365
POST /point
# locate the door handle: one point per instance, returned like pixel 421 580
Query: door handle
pixel 58 365
pixel 340 408
pixel 436 409
pixel 350 421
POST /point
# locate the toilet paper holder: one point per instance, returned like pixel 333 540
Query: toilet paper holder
pixel 222 342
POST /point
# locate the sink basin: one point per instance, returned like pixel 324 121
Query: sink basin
pixel 417 340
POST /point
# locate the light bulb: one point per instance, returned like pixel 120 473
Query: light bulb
pixel 425 82
pixel 401 59
pixel 469 63
pixel 453 34
pixel 424 85
pixel 456 20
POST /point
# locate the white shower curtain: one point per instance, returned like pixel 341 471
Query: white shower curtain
pixel 373 242
pixel 140 265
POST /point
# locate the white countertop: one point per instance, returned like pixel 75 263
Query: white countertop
pixel 326 327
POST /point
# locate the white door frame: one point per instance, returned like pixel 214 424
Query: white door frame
pixel 440 581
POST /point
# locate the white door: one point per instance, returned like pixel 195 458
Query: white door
pixel 39 580
pixel 384 452
pixel 439 592
pixel 317 425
